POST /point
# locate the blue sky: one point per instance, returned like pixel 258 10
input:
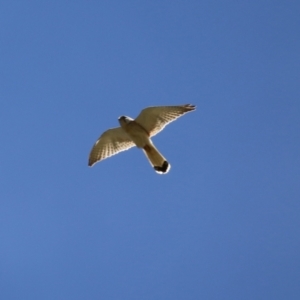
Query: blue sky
pixel 223 223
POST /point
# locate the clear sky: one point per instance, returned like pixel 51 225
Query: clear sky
pixel 224 223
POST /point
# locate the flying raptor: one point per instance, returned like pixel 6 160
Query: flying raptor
pixel 138 132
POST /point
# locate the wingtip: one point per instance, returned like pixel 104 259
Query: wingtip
pixel 190 107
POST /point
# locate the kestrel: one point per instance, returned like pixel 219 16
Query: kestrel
pixel 138 132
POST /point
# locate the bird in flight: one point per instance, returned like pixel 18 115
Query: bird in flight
pixel 138 132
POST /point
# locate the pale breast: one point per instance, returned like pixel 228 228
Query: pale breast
pixel 137 133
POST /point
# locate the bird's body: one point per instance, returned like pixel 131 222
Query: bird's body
pixel 141 139
pixel 138 133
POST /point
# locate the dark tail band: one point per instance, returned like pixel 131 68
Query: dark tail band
pixel 163 169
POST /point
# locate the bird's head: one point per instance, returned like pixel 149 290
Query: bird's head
pixel 123 120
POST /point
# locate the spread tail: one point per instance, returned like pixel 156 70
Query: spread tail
pixel 157 161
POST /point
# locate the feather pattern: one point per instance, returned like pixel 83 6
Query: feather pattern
pixel 155 118
pixel 111 142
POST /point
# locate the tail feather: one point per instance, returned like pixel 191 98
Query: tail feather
pixel 157 161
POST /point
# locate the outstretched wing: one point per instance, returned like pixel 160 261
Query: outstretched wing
pixel 155 118
pixel 110 143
